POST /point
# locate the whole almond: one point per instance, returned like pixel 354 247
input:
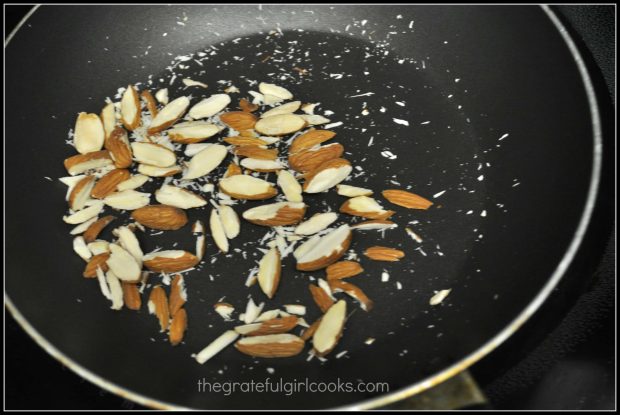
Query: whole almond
pixel 343 269
pixel 161 217
pixel 178 326
pixel 239 120
pixel 383 253
pixel 308 160
pixel 96 261
pixel 406 199
pixel 117 144
pixel 310 139
pixel 107 184
pixel 96 227
pixel 131 295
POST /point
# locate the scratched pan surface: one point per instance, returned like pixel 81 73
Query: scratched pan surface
pixel 498 120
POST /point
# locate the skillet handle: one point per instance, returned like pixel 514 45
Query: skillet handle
pixel 459 392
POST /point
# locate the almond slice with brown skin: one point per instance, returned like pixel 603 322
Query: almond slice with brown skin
pixel 168 115
pixel 353 291
pixel 352 191
pixel 131 295
pixel 276 214
pixel 269 272
pixel 383 253
pixel 343 269
pixel 82 227
pixel 90 161
pixel 320 297
pixel 239 120
pixel 327 175
pixel 96 261
pixel 108 119
pixel 271 326
pixel 178 295
pixel 406 199
pixel 151 103
pixel 326 250
pixel 260 165
pixel 316 223
pixel 275 90
pixel 130 108
pixel 116 290
pixel 310 139
pixel 232 169
pixel 272 345
pixel 376 224
pixel 247 106
pixel 244 186
pixel 192 132
pixel 277 125
pixel 170 261
pixel 153 154
pixel 309 332
pixel 158 305
pixel 85 214
pixel 89 134
pixel 128 240
pixel 288 108
pixel 205 161
pixel 177 197
pixel 290 186
pixel 117 144
pixel 256 152
pixel 245 141
pixel 330 329
pixel 178 326
pixel 123 264
pixel 217 231
pixel 161 217
pixel 96 227
pixel 81 193
pixel 208 107
pixel 108 183
pixel 127 200
pixel 216 346
pixel 230 221
pixel 366 207
pixel 154 171
pixel 308 160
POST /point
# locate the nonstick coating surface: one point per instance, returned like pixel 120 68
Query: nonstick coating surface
pixel 476 74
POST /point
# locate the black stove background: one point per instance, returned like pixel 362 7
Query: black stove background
pixel 563 358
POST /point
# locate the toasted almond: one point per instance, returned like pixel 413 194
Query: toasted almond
pixel 308 160
pixel 274 326
pixel 96 227
pixel 216 346
pixel 80 248
pixel 246 106
pixel 232 169
pixel 169 115
pixel 314 119
pixel 205 161
pixel 151 103
pixel 153 154
pixel 117 144
pixel 192 132
pixel 177 197
pixel 272 345
pixel 158 305
pixel 96 261
pixel 108 119
pixel 343 269
pixel 256 152
pixel 320 297
pixel 178 326
pixel 83 162
pixel 116 290
pixel 230 221
pixel 178 295
pixel 217 231
pixel 326 250
pixel 275 90
pixel 309 332
pixel 245 141
pixel 170 261
pixel 316 223
pixel 282 124
pixel 89 134
pixel 261 165
pixel 239 120
pixel 330 328
pixel 128 240
pixel 133 182
pixel 287 108
pixel 352 191
pixel 290 186
pixel 208 107
pixel 243 186
pixel 276 214
pixel 81 193
pixel 123 264
pixel 269 272
pixel 327 175
pixel 310 139
pixel 353 291
pixel 154 171
pixel 406 199
pixel 108 183
pixel 85 214
pixel 127 200
pixel 131 296
pixel 130 108
pixel 225 310
pixel 383 253
pixel 366 207
pixel 162 217
pixel 376 224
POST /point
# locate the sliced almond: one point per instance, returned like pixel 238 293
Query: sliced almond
pixel 177 197
pixel 383 253
pixel 169 115
pixel 264 316
pixel 116 290
pixel 276 214
pixel 327 250
pixel 366 207
pixel 327 175
pixel 275 90
pixel 154 171
pixel 271 326
pixel 80 248
pixel 309 332
pixel 406 199
pixel 239 120
pixel 178 326
pixel 321 298
pixel 132 182
pixel 330 328
pixel 282 124
pixel 96 261
pixel 131 296
pixel 352 191
pixel 178 295
pixel 123 264
pixel 83 162
pixel 208 107
pixel 252 311
pixel 84 214
pixel 89 134
pixel 353 291
pixel 192 132
pixel 153 154
pixel 316 223
pixel 308 160
pixel 96 227
pixel 245 141
pixel 290 186
pixel 108 119
pixel 128 240
pixel 216 346
pixel 162 96
pixel 376 224
pixel 170 261
pixel 201 245
pixel 287 108
pixel 103 285
pixel 82 227
pixel 232 169
pixel 263 166
pixel 205 161
pixel 161 217
pixel 108 183
pixel 246 106
pixel 439 297
pixel 309 108
pixel 343 269
pixel 158 305
pixel 272 345
pixel 117 144
pixel 130 108
pixel 244 186
pixel 151 103
pixel 230 221
pixel 225 310
pixel 81 193
pixel 127 200
pixel 190 82
pixel 269 272
pixel 217 231
pixel 314 119
pixel 256 152
pixel 99 247
pixel 307 246
pixel 310 139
